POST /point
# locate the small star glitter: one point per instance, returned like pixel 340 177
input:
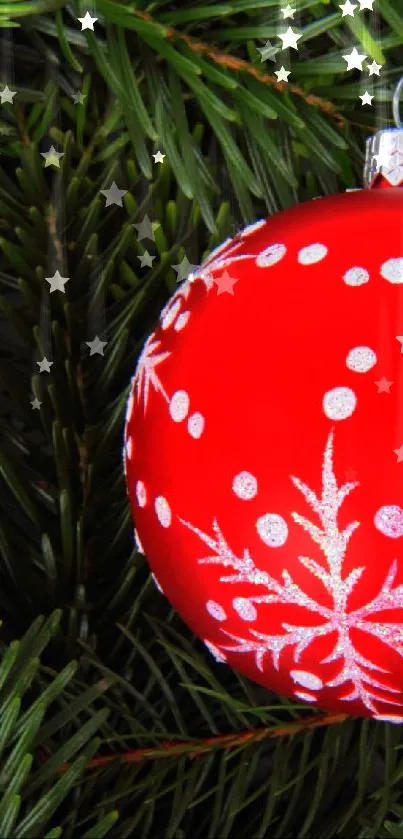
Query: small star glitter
pixel 57 282
pixel 354 60
pixel 383 385
pixel 52 157
pixel 288 11
pixel 400 338
pixel 289 39
pixel 366 98
pixel 145 229
pixel 225 283
pixel 36 404
pixel 78 98
pixel 96 346
pixel 158 157
pixel 399 453
pixel 146 260
pixel 268 51
pixel 282 74
pixel 366 4
pixel 87 22
pixel 44 365
pixel 348 8
pixel 113 195
pixel 374 68
pixel 6 95
pixel 183 269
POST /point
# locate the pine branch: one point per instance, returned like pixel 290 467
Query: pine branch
pixel 196 748
pixel 180 84
pixel 30 795
pixel 232 63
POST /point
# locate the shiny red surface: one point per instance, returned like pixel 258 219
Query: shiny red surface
pixel 257 364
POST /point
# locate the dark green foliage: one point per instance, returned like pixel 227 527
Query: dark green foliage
pixel 31 792
pixel 187 79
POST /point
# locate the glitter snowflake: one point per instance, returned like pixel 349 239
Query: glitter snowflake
pixel 219 259
pixel 145 372
pixel 333 543
pixel 222 256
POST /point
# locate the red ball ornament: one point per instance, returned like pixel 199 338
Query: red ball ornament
pixel 264 449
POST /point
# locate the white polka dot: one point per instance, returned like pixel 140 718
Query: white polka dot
pixel 157 583
pixel 356 276
pixel 388 718
pixel 252 227
pixel 392 270
pixel 141 494
pixel 389 521
pixel 311 254
pixel 244 608
pixel 270 255
pixel 216 611
pixel 245 485
pixel 138 544
pixel 307 680
pixel 218 654
pixel 163 511
pixel 169 315
pixel 306 697
pixel 196 425
pixel 129 448
pixel 339 403
pixel 361 359
pixel 179 406
pixel 272 530
pixel 182 321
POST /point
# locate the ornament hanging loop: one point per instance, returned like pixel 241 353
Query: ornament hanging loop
pixel 396 104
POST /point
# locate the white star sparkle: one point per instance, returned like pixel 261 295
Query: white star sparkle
pixel 354 60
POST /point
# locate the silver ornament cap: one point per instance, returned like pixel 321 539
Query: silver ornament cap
pixel 384 151
pixel 384 156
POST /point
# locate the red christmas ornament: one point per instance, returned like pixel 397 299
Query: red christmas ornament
pixel 264 448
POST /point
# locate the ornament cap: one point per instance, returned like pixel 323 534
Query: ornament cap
pixel 384 157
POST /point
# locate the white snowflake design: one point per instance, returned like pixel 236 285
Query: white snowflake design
pixel 201 273
pixel 360 685
pixel 221 257
pixel 145 372
pixel 178 403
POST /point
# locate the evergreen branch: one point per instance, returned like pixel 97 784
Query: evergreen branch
pixel 196 748
pixel 220 120
pixel 232 63
pixel 30 795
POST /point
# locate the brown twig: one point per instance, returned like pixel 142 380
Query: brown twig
pixel 196 748
pixel 242 66
pixel 21 126
pixel 51 219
